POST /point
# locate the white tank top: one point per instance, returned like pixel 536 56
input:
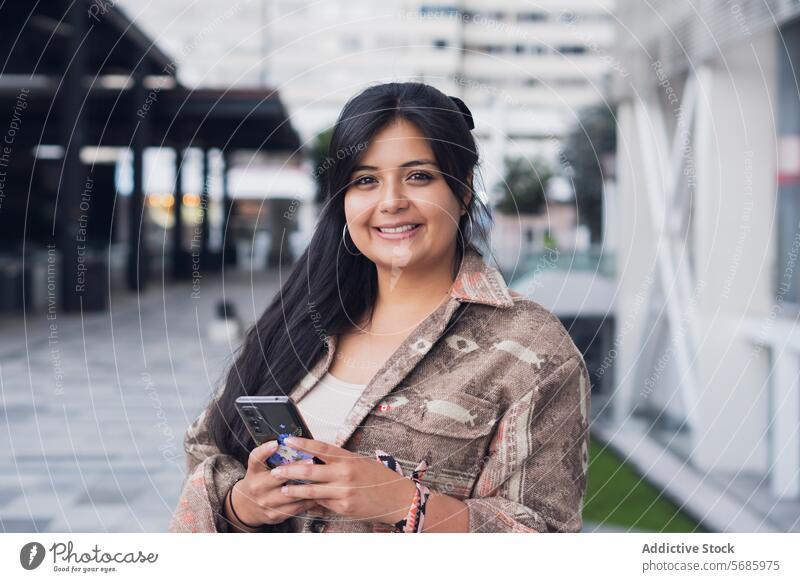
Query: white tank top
pixel 327 404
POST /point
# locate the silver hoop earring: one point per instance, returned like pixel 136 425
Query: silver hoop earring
pixel 344 243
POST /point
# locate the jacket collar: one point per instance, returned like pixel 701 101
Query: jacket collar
pixel 479 282
pixel 476 282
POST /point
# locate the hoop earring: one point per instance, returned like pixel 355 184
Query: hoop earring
pixel 344 243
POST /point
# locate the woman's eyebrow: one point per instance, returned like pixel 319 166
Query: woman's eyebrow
pixel 404 165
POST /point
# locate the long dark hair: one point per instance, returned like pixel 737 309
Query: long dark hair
pixel 328 288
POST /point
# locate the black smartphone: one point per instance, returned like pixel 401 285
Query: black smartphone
pixel 275 418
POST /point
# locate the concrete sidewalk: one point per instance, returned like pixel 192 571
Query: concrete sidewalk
pixel 93 408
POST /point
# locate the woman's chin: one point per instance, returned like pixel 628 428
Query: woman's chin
pixel 395 255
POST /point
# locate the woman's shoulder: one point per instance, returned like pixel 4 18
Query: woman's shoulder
pixel 525 344
pixel 528 323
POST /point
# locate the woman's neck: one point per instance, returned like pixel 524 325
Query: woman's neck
pixel 407 296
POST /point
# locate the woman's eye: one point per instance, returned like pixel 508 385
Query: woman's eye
pixel 416 177
pixel 362 180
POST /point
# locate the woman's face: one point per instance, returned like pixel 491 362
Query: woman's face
pixel 399 183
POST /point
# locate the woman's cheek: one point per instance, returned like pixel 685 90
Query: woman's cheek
pixel 358 223
pixel 356 216
pixel 445 226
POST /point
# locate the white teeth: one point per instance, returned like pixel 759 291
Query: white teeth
pixel 403 228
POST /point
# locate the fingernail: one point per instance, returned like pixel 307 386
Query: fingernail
pixel 285 490
pixel 277 472
pixel 290 440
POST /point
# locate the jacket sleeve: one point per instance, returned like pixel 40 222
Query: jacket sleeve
pixel 210 475
pixel 534 477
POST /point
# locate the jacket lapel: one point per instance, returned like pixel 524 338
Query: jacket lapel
pixel 476 282
pixel 397 367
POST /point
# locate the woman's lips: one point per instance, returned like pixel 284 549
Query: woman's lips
pixel 398 235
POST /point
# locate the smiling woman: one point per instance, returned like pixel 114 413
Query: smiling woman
pixel 474 393
pixel 400 210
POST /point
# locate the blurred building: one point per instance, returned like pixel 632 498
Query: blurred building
pixel 524 69
pixel 707 350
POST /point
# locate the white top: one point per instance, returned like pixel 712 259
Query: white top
pixel 327 404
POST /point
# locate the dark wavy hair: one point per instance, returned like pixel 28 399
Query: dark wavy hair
pixel 328 288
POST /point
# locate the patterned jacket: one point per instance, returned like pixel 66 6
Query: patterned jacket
pixel 495 392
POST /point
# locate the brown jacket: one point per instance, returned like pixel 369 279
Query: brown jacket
pixel 498 395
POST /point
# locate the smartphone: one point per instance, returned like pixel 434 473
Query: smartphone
pixel 275 418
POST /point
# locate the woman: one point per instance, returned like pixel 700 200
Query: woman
pixel 417 351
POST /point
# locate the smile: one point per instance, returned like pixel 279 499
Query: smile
pixel 402 232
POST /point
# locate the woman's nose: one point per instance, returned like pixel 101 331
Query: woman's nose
pixel 392 196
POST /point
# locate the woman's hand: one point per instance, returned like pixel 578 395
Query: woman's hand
pixel 257 499
pixel 348 483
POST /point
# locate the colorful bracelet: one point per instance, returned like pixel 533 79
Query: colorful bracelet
pixel 413 522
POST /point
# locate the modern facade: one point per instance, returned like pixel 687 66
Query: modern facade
pixel 707 228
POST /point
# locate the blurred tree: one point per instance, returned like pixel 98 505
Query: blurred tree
pixel 524 186
pixel 584 151
pixel 319 154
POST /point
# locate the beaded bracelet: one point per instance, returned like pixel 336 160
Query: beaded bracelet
pixel 414 520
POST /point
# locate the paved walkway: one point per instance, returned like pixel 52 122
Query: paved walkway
pixel 93 409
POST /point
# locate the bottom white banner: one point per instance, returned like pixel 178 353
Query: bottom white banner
pixel 625 556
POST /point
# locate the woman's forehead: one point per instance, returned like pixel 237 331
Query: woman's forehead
pixel 397 144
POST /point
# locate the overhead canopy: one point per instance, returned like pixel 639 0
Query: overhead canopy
pixel 127 81
pixel 225 119
pixel 34 39
pixel 252 119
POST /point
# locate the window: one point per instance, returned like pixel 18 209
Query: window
pixel 426 10
pixel 483 16
pixel 572 49
pixel 531 16
pixel 568 16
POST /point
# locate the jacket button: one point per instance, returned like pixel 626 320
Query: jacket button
pixel 317 525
